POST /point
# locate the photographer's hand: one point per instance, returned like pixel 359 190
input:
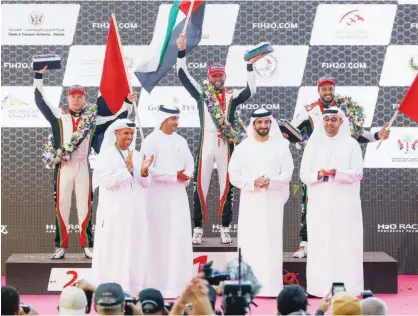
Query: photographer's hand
pixel 136 309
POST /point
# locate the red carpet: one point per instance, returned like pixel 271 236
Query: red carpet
pixel 403 303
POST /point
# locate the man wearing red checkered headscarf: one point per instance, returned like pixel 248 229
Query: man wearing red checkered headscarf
pixel 311 116
pixel 213 146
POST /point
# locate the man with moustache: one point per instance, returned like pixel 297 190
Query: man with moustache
pixel 309 117
pixel 261 167
pixel 170 260
pixel 121 224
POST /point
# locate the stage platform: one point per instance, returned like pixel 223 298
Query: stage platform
pixel 37 274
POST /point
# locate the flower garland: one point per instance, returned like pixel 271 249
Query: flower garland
pixel 354 113
pixel 52 157
pixel 234 132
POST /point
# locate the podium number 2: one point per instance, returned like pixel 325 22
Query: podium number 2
pixel 73 279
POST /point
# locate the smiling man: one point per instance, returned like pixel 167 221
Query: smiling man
pixel 332 168
pixel 170 261
pixel 310 117
pixel 262 166
pixel 121 228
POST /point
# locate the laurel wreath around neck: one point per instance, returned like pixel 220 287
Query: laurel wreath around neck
pixel 234 132
pixel 51 156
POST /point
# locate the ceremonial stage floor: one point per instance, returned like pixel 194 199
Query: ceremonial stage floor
pixel 403 303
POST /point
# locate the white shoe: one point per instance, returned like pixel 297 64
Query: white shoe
pixel 302 251
pixel 226 235
pixel 197 235
pixel 88 252
pixel 58 254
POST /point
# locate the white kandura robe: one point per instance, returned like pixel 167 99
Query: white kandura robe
pixel 334 217
pixel 120 246
pixel 170 260
pixel 260 222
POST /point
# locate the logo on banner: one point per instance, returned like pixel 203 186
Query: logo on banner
pixel 36 18
pixel 4 230
pixel 290 278
pixel 121 25
pixel 281 25
pixel 17 109
pixel 352 17
pixel 407 144
pixel 266 67
pixel 397 228
pixel 16 66
pixel 413 62
pixel 27 24
pixel 216 228
pixel 71 229
pixel 258 106
pixel 345 24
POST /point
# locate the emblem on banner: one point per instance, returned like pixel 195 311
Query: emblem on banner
pixel 36 18
pixel 266 67
pixel 407 144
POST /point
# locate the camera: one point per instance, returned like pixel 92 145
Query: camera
pixel 128 309
pixel 237 297
pixel 214 277
pixel 366 294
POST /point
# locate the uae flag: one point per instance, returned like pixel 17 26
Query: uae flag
pixel 162 52
pixel 114 86
pixel 409 103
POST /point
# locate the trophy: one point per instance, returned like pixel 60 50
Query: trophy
pixel 293 133
pixel 50 60
pixel 262 48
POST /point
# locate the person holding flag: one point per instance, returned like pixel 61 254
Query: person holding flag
pixel 310 116
pixel 73 135
pixel 117 98
pixel 219 133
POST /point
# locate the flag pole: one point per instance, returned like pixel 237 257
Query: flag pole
pixel 126 73
pixel 389 126
pixel 188 16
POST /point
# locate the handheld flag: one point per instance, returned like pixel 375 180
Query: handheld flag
pixel 408 105
pixel 162 54
pixel 114 87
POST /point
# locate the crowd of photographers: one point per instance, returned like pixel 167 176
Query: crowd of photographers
pixel 198 298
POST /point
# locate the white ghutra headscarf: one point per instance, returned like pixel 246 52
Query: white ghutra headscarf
pixel 109 141
pixel 274 133
pixel 344 131
pixel 164 112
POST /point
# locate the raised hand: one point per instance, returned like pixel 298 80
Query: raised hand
pixel 129 161
pixel 384 133
pixel 181 42
pixel 42 71
pixel 131 97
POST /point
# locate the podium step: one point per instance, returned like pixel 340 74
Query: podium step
pixel 37 274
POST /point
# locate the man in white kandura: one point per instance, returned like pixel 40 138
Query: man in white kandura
pixel 332 168
pixel 262 166
pixel 121 228
pixel 170 260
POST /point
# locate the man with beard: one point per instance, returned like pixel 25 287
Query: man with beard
pixel 311 116
pixel 217 107
pixel 262 166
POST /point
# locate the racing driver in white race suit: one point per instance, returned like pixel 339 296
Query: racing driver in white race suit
pixel 74 174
